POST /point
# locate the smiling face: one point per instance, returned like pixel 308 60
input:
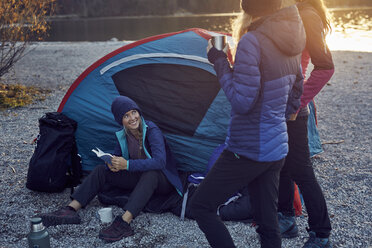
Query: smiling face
pixel 131 120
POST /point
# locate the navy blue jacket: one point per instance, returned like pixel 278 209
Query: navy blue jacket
pixel 264 86
pixel 159 156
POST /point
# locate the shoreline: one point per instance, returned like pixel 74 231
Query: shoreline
pixel 59 63
pixel 182 13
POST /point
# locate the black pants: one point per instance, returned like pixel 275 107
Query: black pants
pixel 298 168
pixel 228 175
pixel 144 185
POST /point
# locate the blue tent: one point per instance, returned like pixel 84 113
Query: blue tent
pixel 175 86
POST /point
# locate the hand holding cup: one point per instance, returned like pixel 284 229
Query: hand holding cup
pixel 219 42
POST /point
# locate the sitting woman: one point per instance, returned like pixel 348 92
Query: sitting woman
pixel 142 162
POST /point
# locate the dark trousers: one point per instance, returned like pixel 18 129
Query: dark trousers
pixel 228 175
pixel 298 168
pixel 144 185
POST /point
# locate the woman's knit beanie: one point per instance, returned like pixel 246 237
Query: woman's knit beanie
pixel 121 105
pixel 257 8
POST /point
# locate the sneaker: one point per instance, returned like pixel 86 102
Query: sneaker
pixel 116 231
pixel 65 215
pixel 314 242
pixel 287 226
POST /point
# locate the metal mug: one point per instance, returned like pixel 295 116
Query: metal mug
pixel 219 41
pixel 105 215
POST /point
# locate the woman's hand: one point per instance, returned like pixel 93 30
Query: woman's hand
pixel 292 117
pixel 210 45
pixel 117 164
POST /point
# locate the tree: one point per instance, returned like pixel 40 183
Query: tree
pixel 21 21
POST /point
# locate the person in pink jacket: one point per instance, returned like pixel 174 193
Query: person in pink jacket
pixel 298 167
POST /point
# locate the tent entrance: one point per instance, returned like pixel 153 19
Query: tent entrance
pixel 175 97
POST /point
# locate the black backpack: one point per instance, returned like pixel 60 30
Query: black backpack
pixel 55 164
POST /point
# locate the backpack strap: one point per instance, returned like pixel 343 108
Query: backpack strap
pixel 230 200
pixel 184 200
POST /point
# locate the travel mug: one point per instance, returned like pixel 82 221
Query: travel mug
pixel 219 41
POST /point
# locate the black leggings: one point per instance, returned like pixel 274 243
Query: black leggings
pixel 298 168
pixel 229 174
pixel 144 185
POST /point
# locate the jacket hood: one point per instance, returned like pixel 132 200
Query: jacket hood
pixel 285 29
pixel 121 105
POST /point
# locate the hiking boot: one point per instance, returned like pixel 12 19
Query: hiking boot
pixel 314 242
pixel 65 215
pixel 116 231
pixel 287 226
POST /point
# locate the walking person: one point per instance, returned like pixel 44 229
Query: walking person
pixel 142 163
pixel 264 87
pixel 298 166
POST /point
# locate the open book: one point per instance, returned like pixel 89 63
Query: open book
pixel 103 155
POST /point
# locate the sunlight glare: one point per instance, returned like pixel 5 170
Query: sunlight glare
pixel 350 40
pixel 351 31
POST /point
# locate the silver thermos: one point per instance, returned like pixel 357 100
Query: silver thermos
pixel 38 236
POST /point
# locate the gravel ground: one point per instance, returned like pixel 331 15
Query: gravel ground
pixel 343 170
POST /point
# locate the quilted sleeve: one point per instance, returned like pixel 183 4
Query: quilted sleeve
pixel 241 83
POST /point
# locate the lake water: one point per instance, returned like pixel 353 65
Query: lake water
pixel 352 28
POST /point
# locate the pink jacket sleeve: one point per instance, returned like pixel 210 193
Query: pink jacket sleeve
pixel 314 84
pixel 316 50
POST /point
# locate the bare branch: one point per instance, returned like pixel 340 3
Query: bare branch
pixel 21 21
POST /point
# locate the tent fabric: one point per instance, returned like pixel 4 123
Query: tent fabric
pixel 173 83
